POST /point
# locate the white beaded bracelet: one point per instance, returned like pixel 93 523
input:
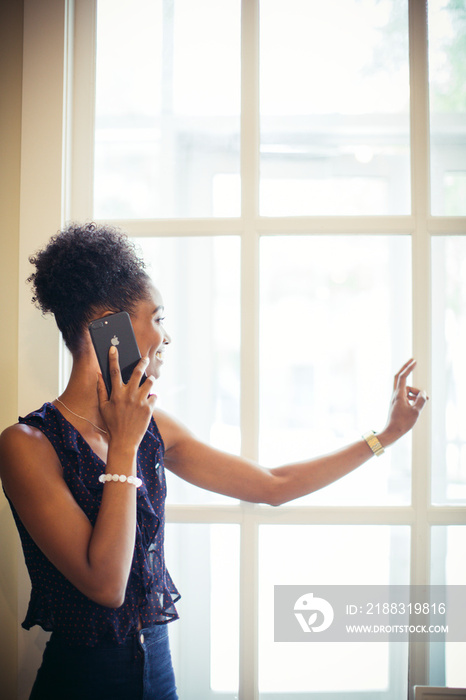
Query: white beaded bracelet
pixel 135 480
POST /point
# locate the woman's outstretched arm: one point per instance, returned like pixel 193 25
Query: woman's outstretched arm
pixel 234 476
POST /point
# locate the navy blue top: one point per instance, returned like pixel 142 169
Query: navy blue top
pixel 55 604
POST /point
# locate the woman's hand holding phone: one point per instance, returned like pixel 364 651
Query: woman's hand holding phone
pixel 128 411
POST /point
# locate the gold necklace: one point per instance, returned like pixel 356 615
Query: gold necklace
pixel 82 417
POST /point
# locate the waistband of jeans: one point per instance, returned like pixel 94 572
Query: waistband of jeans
pixel 131 639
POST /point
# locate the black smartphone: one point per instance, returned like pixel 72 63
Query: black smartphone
pixel 115 329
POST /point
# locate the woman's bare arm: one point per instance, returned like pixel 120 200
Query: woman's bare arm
pixel 97 560
pixel 234 476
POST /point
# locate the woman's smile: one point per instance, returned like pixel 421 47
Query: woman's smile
pixel 151 336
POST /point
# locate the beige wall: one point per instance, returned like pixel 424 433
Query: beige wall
pixel 11 45
pixel 33 54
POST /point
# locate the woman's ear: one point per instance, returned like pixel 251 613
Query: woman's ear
pixel 101 313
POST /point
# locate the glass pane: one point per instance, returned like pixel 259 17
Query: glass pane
pixel 203 560
pixel 167 108
pixel 199 281
pixel 335 326
pixel 334 102
pixel 447 87
pixel 326 555
pixel 449 375
pixel 448 568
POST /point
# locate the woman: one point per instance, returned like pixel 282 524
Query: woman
pixel 94 547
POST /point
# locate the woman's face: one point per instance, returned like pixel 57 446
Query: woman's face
pixel 151 336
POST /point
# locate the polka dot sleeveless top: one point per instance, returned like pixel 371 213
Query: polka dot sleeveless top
pixel 55 604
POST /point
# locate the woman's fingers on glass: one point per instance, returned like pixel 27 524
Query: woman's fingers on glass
pixel 417 397
pixel 400 377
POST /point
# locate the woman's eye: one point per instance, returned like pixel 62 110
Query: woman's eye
pixel 160 320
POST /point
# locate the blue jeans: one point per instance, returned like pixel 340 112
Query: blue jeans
pixel 139 669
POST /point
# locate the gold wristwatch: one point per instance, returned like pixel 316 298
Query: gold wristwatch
pixel 373 442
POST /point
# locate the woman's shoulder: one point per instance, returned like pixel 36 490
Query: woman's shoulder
pixel 27 431
pixel 39 426
pixel 20 434
pixel 171 430
pixel 20 446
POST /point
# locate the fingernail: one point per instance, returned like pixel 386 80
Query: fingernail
pixel 112 350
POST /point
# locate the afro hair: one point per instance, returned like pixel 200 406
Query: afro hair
pixel 83 270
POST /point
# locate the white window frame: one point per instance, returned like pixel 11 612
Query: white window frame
pixel 51 83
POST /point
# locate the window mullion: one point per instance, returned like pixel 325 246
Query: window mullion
pixel 248 670
pixel 249 111
pixel 420 548
pixel 83 127
pixel 421 262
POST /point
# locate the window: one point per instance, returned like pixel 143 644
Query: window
pixel 167 109
pixel 447 22
pixel 334 131
pixel 271 157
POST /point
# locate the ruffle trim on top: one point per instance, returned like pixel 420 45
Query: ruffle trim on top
pixel 157 591
pixel 39 612
pixel 152 590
